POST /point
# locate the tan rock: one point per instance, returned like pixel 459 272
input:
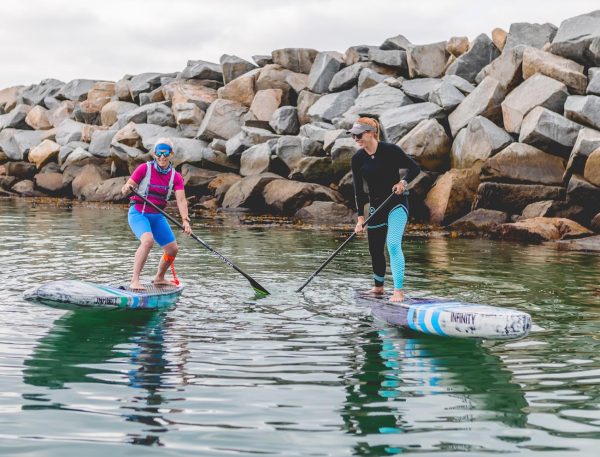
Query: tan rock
pixel 89 177
pixel 88 130
pixel 592 168
pixel 43 153
pixel 564 70
pixel 57 115
pixel 241 89
pixel 9 97
pixel 49 182
pixel 457 45
pixel 111 111
pixel 128 136
pixel 37 118
pixel 189 92
pixel 188 113
pixel 540 229
pixel 265 103
pixel 100 94
pixel 428 145
pixel 452 194
pixel 499 37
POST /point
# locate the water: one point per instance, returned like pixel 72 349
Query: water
pixel 224 374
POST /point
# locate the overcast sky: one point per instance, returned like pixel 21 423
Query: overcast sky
pixel 106 39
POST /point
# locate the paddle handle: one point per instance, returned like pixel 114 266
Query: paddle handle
pixel 351 237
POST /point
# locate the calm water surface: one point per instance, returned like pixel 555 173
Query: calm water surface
pixel 224 374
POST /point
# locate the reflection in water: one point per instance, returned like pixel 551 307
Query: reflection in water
pixel 112 347
pixel 412 384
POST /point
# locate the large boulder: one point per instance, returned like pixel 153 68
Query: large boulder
pixel 111 112
pixel 539 229
pixel 564 70
pixel 346 77
pixel 592 168
pixel 452 194
pixel 447 95
pixel 428 60
pixel 16 118
pixel 374 102
pixel 593 87
pixel 326 213
pixel 332 106
pixel 578 39
pixel 287 197
pixel 201 69
pixel 524 164
pixel 506 69
pixel 37 118
pixel 513 198
pixel 298 60
pixel 481 53
pixel 584 110
pixel 285 121
pixel 323 69
pixel 84 185
pixel 549 131
pixel 234 67
pixel 242 89
pixel 265 103
pixel 582 192
pixel 397 122
pixel 43 153
pixel 477 142
pixel 539 90
pixel 52 183
pixel 222 120
pixel 190 91
pixel 36 93
pixel 480 220
pixel 255 160
pixel 76 89
pixel 588 140
pixel 535 35
pixel 420 88
pixel 428 144
pixel 292 149
pixel 247 192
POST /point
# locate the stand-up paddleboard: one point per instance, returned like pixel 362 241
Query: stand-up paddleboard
pixel 449 318
pixel 71 294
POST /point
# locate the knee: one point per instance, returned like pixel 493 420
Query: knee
pixel 171 249
pixel 146 242
pixel 395 249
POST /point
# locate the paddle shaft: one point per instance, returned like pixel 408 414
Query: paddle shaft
pixel 330 258
pixel 255 285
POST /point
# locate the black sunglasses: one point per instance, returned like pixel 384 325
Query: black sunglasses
pixel 357 136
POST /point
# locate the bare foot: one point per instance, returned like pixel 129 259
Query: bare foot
pixel 135 285
pixel 397 296
pixel 158 282
pixel 376 290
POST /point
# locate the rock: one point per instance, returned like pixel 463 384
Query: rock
pixel 37 118
pixel 566 71
pixel 584 110
pixel 68 131
pixel 484 101
pixel 305 100
pixel 298 60
pixel 153 113
pixel 394 59
pixel 369 78
pixel 292 149
pixel 84 185
pixel 78 157
pixel 461 84
pixel 326 213
pixel 241 89
pixel 550 208
pixel 341 156
pixel 108 190
pixel 588 244
pixel 221 184
pixel 577 39
pixel 35 94
pixel 16 118
pixel 316 132
pixel 421 88
pixel 331 136
pixel 21 170
pixel 428 145
pixel 247 193
pixel 481 53
pixel 346 77
pixel 476 143
pixel 275 77
pixel 331 106
pixel 584 193
pixel 398 122
pixel 255 160
pixel 68 148
pixel 144 82
pixel 595 224
pixel 234 67
pixel 262 60
pixel 397 42
pixel 111 112
pixel 457 45
pixel 506 69
pixel 285 121
pixel 480 220
pixel 287 197
pixel 593 88
pixel 313 169
pixel 540 229
pixel 190 91
pixel 535 35
pixel 592 168
pixel 100 94
pixel 43 153
pixel 499 37
pixel 451 196
pixel 427 60
pixel 25 140
pixel 52 183
pixel 100 142
pixel 9 98
pixel 61 112
pixel 265 103
pixel 447 96
pixel 188 114
pixel 196 180
pixel 324 68
pixel 358 53
pixel 200 69
pixel 373 102
pixel 25 188
pixel 524 164
pixel 588 140
pixel 76 89
pixel 222 120
pixel 549 131
pixel 539 90
pixel 513 198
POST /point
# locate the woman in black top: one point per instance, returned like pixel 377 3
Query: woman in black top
pixel 378 165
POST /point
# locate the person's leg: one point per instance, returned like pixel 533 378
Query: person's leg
pixel 397 220
pixel 166 239
pixel 376 236
pixel 140 226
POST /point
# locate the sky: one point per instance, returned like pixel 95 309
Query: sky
pixel 107 39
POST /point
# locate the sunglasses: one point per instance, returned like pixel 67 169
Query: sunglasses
pixel 163 152
pixel 357 136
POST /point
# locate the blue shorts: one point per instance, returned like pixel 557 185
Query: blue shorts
pixel 154 223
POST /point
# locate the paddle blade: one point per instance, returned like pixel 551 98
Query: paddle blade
pixel 258 289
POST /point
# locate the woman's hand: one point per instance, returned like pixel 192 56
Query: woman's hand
pixel 399 188
pixel 127 189
pixel 359 225
pixel 187 228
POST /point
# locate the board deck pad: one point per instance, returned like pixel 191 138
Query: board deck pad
pixel 82 294
pixel 437 316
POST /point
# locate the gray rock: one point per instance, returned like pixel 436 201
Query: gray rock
pixel 317 131
pixel 234 66
pixel 390 58
pixel 326 213
pixel 262 60
pixel 346 78
pixel 588 140
pixel 222 120
pixel 255 160
pixel 420 88
pixel 201 69
pixel 292 149
pixel 298 60
pixel 481 53
pixel 331 106
pixel 577 39
pixel 398 122
pixel 369 78
pixel 287 197
pixel 447 96
pixel 149 133
pixel 480 220
pixel 584 193
pixel 397 42
pixel 76 89
pixel 584 110
pixel 144 82
pixel 324 68
pixel 77 157
pixel 25 140
pixel 460 83
pixel 539 90
pixel 100 144
pixel 513 198
pixel 68 148
pixel 153 113
pixel 68 131
pixel 428 60
pixel 525 164
pixel 35 94
pixel 341 156
pixel 247 193
pixel 535 35
pixel 16 118
pixel 593 87
pixel 477 142
pixel 359 53
pixel 236 145
pixel 506 69
pixel 428 144
pixel 306 99
pixel 373 102
pixel 111 112
pixel 313 169
pixel 21 170
pixel 549 131
pixel 256 135
pixel 285 121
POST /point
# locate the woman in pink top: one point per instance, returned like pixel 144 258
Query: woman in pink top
pixel 156 180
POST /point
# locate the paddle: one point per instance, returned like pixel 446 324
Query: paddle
pixel 260 290
pixel 344 243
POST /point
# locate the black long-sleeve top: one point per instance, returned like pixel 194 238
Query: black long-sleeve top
pixel 380 171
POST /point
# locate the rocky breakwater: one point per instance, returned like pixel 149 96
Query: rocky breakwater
pixel 506 129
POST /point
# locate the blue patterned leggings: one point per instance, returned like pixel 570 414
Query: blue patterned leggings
pixel 390 233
